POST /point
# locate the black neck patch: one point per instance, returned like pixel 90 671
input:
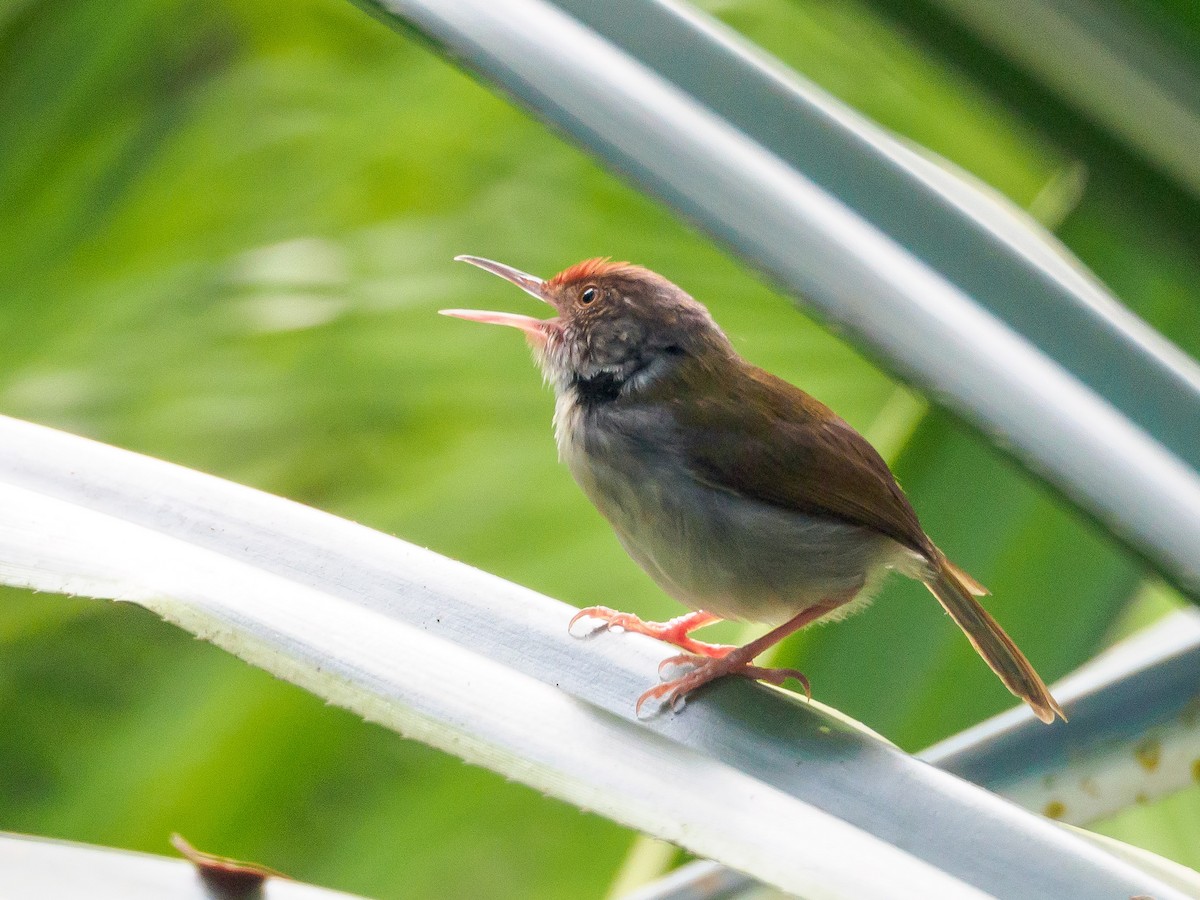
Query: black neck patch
pixel 604 387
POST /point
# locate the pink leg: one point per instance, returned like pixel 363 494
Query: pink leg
pixel 737 662
pixel 673 632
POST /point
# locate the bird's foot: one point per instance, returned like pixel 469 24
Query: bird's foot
pixel 672 694
pixel 674 631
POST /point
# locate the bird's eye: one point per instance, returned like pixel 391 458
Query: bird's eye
pixel 588 294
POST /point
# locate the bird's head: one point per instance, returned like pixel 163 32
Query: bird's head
pixel 619 327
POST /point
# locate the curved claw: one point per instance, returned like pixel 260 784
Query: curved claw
pixel 674 692
pixel 603 614
pixel 777 677
pixel 676 700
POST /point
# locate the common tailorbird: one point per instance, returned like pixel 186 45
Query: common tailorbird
pixel 739 494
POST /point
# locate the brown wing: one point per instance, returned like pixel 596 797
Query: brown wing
pixel 777 445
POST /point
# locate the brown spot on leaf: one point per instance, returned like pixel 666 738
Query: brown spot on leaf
pixel 1054 810
pixel 1196 770
pixel 227 879
pixel 1148 754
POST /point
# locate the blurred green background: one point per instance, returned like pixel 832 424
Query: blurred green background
pixel 225 229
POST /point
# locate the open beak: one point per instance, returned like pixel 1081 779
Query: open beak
pixel 530 284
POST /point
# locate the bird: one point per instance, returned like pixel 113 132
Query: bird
pixel 739 494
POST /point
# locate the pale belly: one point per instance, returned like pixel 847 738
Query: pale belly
pixel 713 550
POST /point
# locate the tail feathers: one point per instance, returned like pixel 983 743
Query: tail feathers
pixel 974 588
pixel 955 593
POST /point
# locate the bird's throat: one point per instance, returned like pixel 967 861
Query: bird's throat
pixel 603 387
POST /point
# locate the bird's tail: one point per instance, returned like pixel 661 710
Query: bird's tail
pixel 954 589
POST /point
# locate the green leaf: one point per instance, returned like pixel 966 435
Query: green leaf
pixel 1134 736
pixel 486 670
pixel 166 147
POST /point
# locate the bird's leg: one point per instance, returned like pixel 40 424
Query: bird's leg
pixel 738 662
pixel 674 631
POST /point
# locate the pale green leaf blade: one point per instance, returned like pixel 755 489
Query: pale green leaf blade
pixel 34 868
pixel 436 650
